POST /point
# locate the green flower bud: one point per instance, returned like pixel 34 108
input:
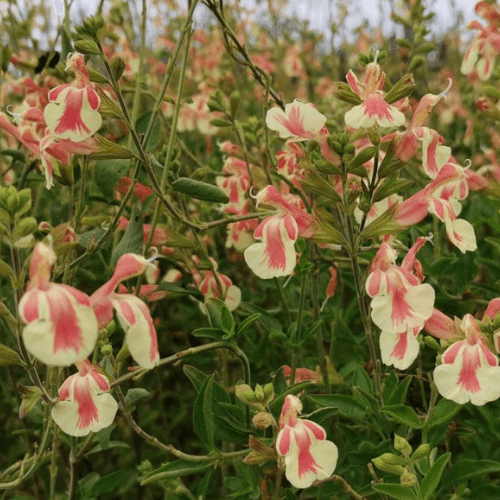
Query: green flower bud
pixel 421 452
pixel 398 470
pixel 30 397
pixel 262 420
pixel 107 350
pixel 268 393
pixel 245 393
pixel 409 479
pixel 235 100
pixel 402 445
pixel 259 392
pixel 432 343
pixel 24 227
pixel 8 356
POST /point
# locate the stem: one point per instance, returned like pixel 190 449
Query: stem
pixel 286 310
pixel 316 314
pixel 190 352
pixel 347 487
pixel 300 320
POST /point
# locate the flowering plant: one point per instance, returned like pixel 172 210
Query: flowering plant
pixel 237 265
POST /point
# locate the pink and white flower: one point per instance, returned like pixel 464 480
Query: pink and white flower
pixel 72 110
pixel 469 370
pixel 373 110
pixel 133 314
pixel 299 121
pixel 275 255
pixel 400 304
pixel 85 404
pixel 61 327
pixel 308 456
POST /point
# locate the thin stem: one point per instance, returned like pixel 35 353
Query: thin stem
pixel 300 320
pixel 319 331
pixel 347 487
pixel 286 310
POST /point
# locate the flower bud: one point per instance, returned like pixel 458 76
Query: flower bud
pixel 262 420
pixel 235 100
pixel 24 227
pixel 384 466
pixel 432 343
pixel 402 445
pixel 260 453
pixel 401 89
pixel 409 479
pixel 268 393
pixel 107 350
pixel 24 202
pixel 245 393
pixel 259 392
pixel 421 452
pixel 30 397
pixel 8 356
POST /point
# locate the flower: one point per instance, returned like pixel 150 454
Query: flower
pixel 275 255
pixel 133 314
pixel 72 110
pixel 85 405
pixel 61 327
pixel 373 110
pixel 469 370
pixel 299 121
pixel 307 454
pixel 400 304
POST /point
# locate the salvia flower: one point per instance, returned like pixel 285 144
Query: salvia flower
pixel 133 314
pixel 307 454
pixel 373 110
pixel 72 109
pixel 275 255
pixel 469 370
pixel 299 121
pixel 61 327
pixel 400 304
pixel 85 404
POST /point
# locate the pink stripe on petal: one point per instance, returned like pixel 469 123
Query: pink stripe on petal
pixel 87 410
pixel 318 431
pixel 306 461
pixel 374 105
pixel 93 98
pixel 291 227
pixel 29 306
pixel 491 359
pixel 283 441
pixel 67 331
pixel 452 352
pixel 401 346
pixel 126 311
pixel 471 361
pixel 56 92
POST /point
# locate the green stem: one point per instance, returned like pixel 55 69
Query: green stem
pixel 300 321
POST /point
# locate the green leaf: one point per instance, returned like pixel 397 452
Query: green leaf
pixel 268 322
pixel 398 395
pixel 362 379
pixel 93 235
pixel 433 476
pixel 112 445
pixel 444 411
pixel 219 315
pixel 107 173
pixel 404 415
pixel 347 405
pixel 135 395
pixel 390 186
pixel 176 468
pixel 210 333
pixel 132 239
pixel 317 184
pixel 246 323
pixel 199 190
pixel 141 125
pixel 467 468
pixel 109 483
pixel 183 290
pixel 203 422
pixel 395 491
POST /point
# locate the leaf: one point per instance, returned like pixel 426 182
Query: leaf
pixel 141 125
pixel 176 468
pixel 362 379
pixel 317 184
pixel 92 235
pixel 112 445
pixel 184 290
pixel 395 491
pixel 107 173
pixel 246 323
pixel 444 411
pixel 433 476
pixel 347 405
pixel 210 333
pixel 268 322
pixel 203 422
pixel 219 315
pixel 199 190
pixel 390 186
pixel 135 395
pixel 109 483
pixel 132 239
pixel 404 415
pixel 398 395
pixel 467 468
